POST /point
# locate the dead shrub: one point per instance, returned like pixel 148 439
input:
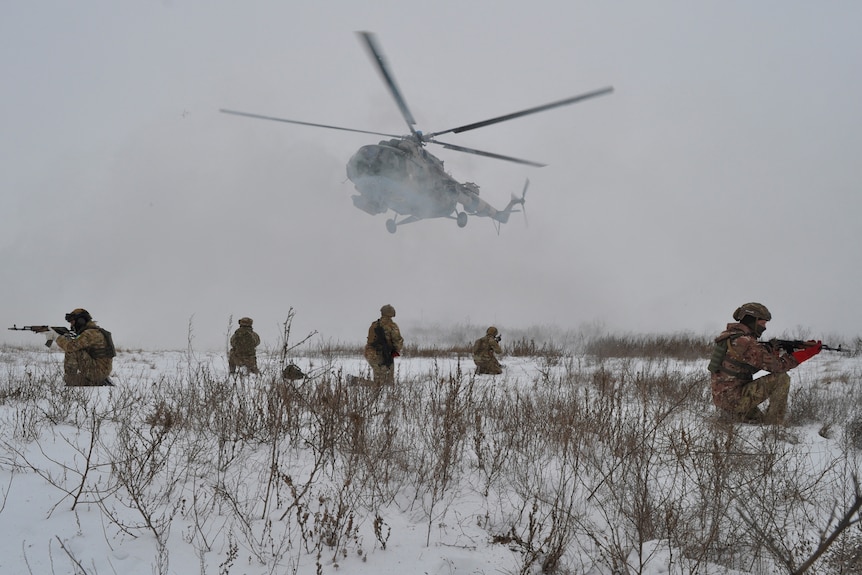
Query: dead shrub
pixel 682 346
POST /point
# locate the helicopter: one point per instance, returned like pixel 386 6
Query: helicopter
pixel 399 174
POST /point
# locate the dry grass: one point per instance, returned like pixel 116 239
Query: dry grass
pixel 580 469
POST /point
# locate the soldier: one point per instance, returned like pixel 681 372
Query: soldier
pixel 738 355
pixel 383 345
pixel 89 351
pixel 242 347
pixel 484 350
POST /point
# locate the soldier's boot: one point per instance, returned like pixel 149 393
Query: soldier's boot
pixel 488 369
pixel 753 415
pixel 74 380
pixel 78 380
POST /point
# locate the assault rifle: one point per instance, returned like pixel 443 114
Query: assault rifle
pixel 43 329
pixel 382 345
pixel 791 345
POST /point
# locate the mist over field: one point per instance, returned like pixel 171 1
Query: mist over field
pixel 722 169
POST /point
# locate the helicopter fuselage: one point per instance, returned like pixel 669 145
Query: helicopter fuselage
pixel 401 176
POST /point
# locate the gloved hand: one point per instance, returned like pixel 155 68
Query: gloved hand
pixel 51 335
pixel 807 353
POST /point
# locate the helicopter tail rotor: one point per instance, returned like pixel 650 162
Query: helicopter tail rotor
pixel 522 201
pixel 518 200
pixel 503 215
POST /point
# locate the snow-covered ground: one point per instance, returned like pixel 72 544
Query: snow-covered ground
pixel 103 481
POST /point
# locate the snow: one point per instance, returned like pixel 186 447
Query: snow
pixel 195 503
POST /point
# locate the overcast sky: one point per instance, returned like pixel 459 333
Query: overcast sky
pixel 724 168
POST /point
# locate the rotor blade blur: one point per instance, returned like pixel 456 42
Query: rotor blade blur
pixel 377 55
pixel 261 117
pixel 526 112
pixel 489 154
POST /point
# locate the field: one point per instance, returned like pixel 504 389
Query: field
pixel 591 454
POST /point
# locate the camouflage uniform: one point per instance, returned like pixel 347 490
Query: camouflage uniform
pixel 382 366
pixel 242 347
pixel 734 390
pixel 89 356
pixel 483 353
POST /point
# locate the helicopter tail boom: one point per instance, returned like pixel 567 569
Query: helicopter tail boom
pixel 475 206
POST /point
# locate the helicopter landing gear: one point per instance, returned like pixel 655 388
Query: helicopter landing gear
pixel 391 226
pixel 461 219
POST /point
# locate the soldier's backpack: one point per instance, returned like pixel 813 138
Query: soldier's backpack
pixel 243 342
pixel 108 351
pixel 719 356
pixel 479 346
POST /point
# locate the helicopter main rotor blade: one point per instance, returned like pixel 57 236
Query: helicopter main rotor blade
pixel 261 117
pixel 377 55
pixel 488 154
pixel 526 112
pixel 273 118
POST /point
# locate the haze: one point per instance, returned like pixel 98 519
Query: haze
pixel 724 168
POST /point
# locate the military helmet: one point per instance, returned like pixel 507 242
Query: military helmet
pixel 292 372
pixel 492 330
pixel 754 309
pixel 78 313
pixel 387 311
pixel 246 321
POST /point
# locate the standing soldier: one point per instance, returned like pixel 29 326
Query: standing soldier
pixel 243 343
pixel 484 350
pixel 738 355
pixel 89 351
pixel 384 344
